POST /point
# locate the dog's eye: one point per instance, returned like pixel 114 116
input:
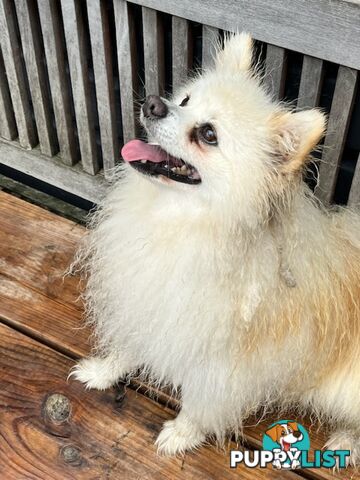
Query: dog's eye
pixel 283 432
pixel 207 134
pixel 185 101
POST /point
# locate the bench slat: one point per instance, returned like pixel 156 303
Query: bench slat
pixel 210 36
pixel 78 62
pixel 36 71
pixel 354 196
pixel 11 50
pixel 339 119
pixel 55 60
pixel 311 82
pixel 103 70
pixel 181 51
pixel 8 128
pixel 127 64
pixel 275 70
pixel 153 52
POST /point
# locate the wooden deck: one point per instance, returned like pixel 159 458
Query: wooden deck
pixel 95 435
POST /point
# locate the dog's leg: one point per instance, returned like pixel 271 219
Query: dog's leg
pixel 179 435
pixel 346 440
pixel 101 372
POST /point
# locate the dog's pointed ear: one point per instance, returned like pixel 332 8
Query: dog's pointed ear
pixel 272 433
pixel 294 136
pixel 236 56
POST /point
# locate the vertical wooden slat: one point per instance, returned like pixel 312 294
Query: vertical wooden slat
pixel 16 76
pixel 35 68
pixel 354 196
pixel 311 82
pixel 55 60
pixel 125 42
pixel 210 38
pixel 153 52
pixel 338 123
pixel 103 71
pixel 181 51
pixel 275 70
pixel 77 54
pixel 7 119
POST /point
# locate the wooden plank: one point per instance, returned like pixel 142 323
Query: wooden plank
pixel 55 59
pixel 126 51
pixel 354 196
pixel 90 434
pixel 11 50
pixel 55 173
pixel 8 128
pixel 103 70
pixel 37 249
pixel 181 52
pixel 334 36
pixel 275 71
pixel 40 317
pixel 210 38
pixel 77 50
pixel 153 52
pixel 36 71
pixel 338 123
pixel 54 319
pixel 311 82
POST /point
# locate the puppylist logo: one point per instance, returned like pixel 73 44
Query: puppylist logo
pixel 286 445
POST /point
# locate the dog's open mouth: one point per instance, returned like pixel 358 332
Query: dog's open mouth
pixel 151 159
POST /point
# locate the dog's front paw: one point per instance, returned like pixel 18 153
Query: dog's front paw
pixel 96 373
pixel 345 440
pixel 178 436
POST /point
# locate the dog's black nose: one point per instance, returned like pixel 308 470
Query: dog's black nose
pixel 154 107
pixel 297 434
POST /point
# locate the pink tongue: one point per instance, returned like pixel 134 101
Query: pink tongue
pixel 139 150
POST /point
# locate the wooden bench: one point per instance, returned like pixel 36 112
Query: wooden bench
pixel 102 435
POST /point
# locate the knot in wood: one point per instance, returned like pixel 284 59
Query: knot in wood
pixel 71 454
pixel 57 407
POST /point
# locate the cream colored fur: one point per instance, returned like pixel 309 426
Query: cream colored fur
pixel 190 283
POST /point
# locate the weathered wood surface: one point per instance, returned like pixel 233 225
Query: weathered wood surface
pixel 36 247
pixel 55 173
pixel 275 71
pixel 311 82
pixel 8 128
pixel 328 29
pixel 20 96
pixel 101 49
pixel 76 46
pixel 37 75
pixel 339 119
pixel 153 52
pixel 181 51
pixel 127 64
pixel 61 96
pixel 210 38
pixel 107 435
pixel 354 196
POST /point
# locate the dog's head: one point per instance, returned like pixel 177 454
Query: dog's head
pixel 285 434
pixel 222 138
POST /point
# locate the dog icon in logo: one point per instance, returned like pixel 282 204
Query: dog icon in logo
pixel 285 434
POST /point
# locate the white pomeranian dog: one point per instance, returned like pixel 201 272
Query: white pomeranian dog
pixel 212 267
